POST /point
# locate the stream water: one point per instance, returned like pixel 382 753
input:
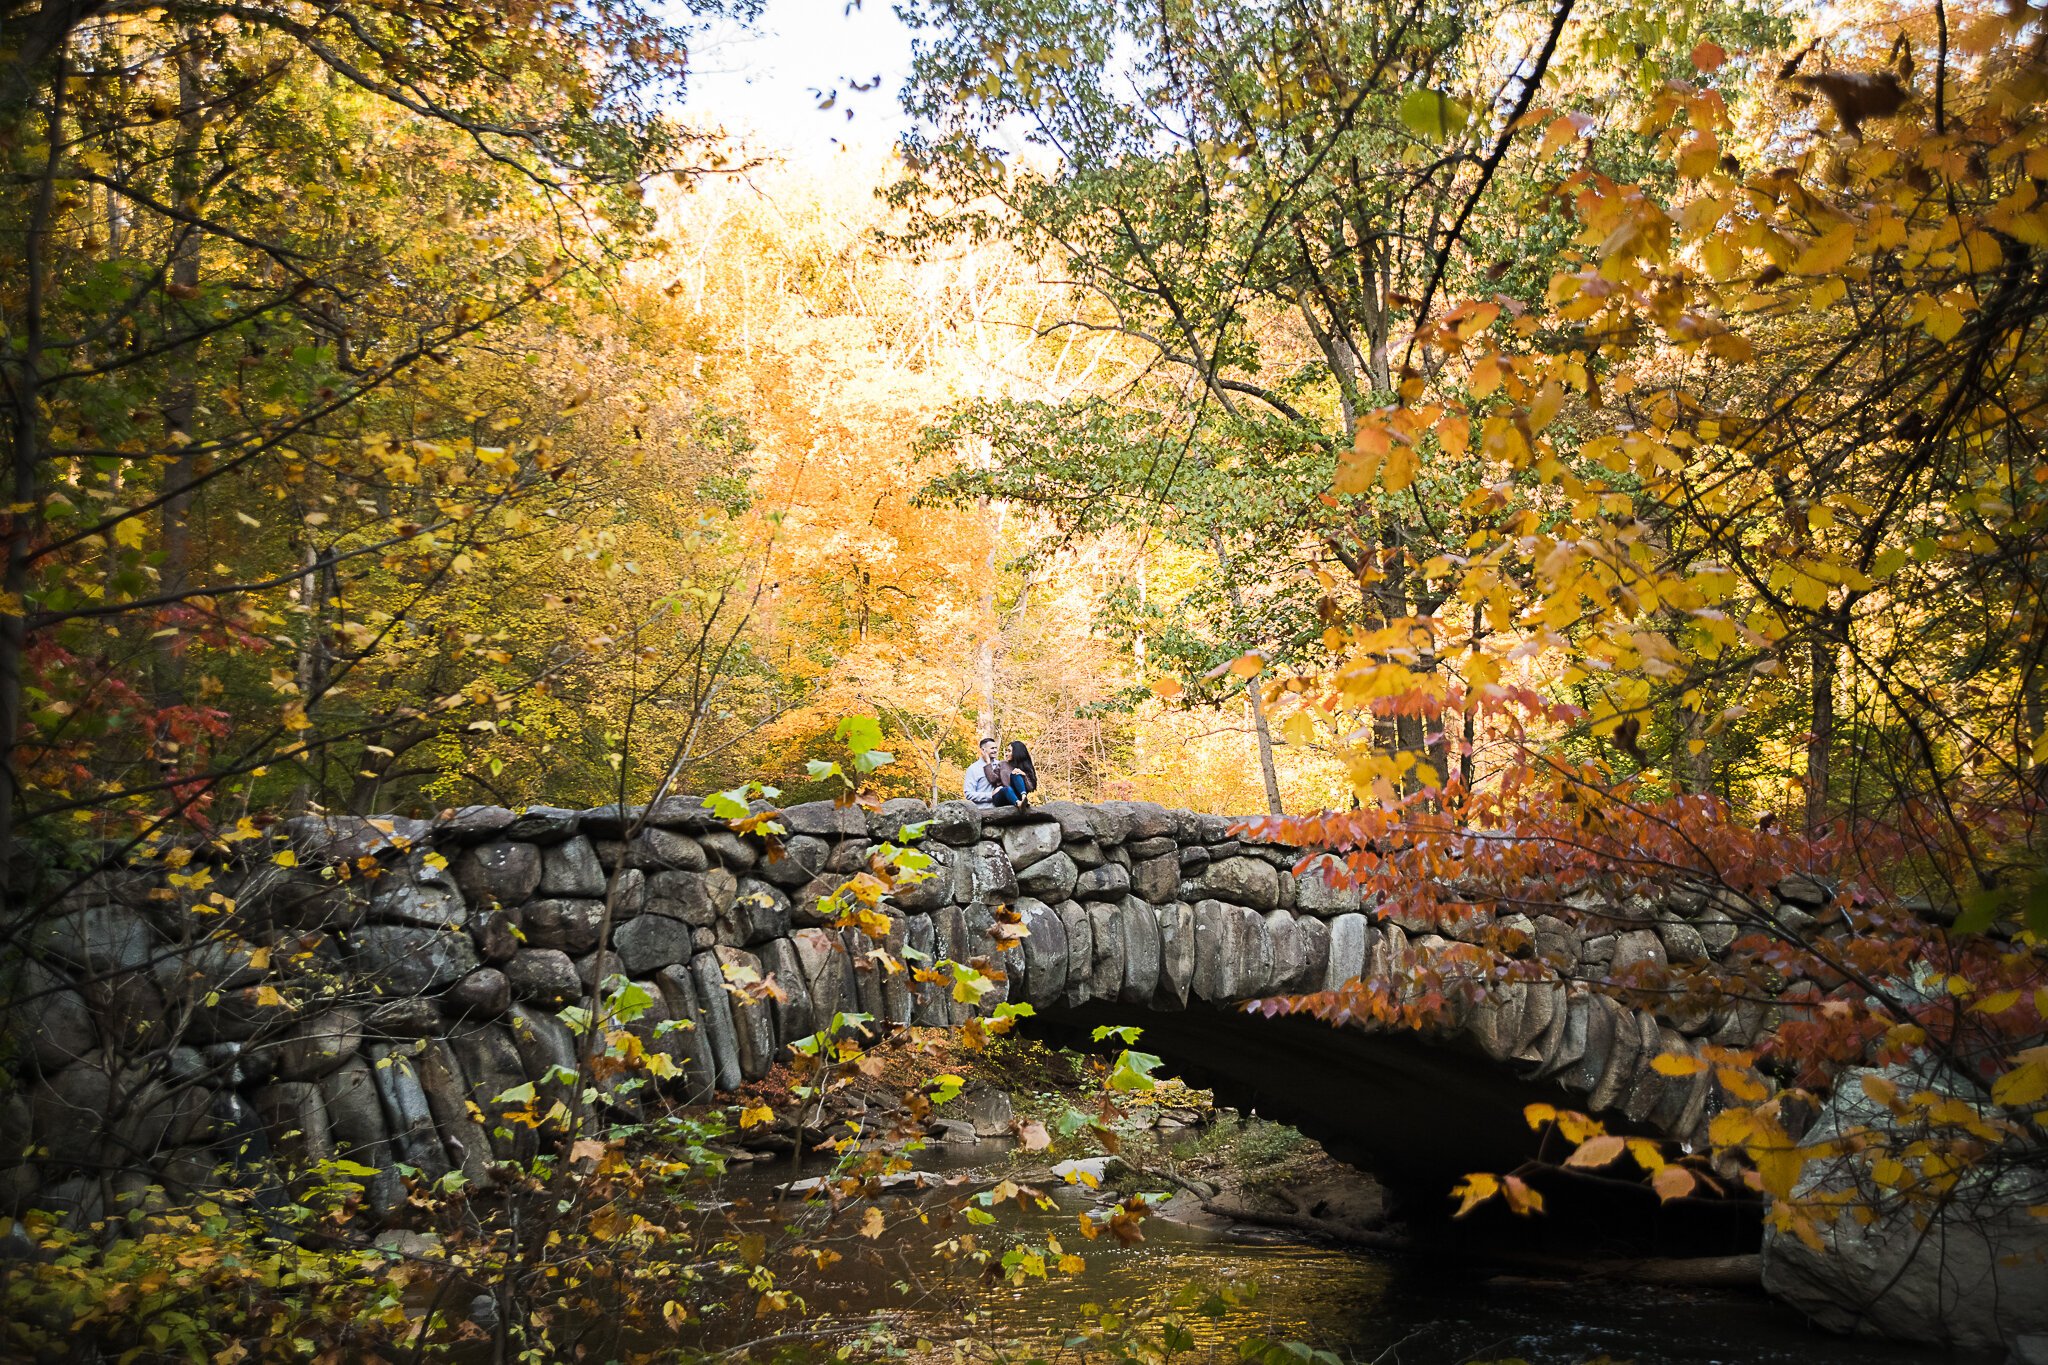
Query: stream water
pixel 1365 1307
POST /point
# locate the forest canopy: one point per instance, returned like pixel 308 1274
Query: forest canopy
pixel 1520 452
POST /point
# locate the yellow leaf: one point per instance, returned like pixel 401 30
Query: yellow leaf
pixel 268 996
pixel 1247 665
pixel 1742 1083
pixel 129 533
pixel 873 1224
pixel 1473 1191
pixel 285 858
pixel 259 958
pixel 1485 376
pixel 1996 1004
pixel 1829 253
pixel 1731 1127
pixel 756 1116
pixel 2023 1085
pixel 1676 1064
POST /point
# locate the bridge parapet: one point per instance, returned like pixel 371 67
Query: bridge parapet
pixel 399 976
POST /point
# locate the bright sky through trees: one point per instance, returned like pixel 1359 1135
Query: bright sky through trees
pixel 768 79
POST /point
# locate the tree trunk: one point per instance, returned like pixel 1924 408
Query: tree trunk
pixel 24 432
pixel 1822 729
pixel 1254 703
pixel 181 406
pixel 1695 766
pixel 985 657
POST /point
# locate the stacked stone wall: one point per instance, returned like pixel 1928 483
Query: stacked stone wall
pixel 374 998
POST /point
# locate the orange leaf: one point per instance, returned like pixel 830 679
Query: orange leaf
pixel 1597 1152
pixel 1709 56
pixel 1672 1182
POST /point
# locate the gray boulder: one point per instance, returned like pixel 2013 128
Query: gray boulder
pixel 313 1047
pixel 1106 945
pixel 571 868
pixel 295 1117
pixel 1110 879
pixel 1051 879
pixel 897 813
pixel 1074 918
pixel 448 1099
pixel 1027 844
pixel 651 942
pixel 933 889
pixel 500 872
pixel 993 879
pixel 791 1003
pixel 544 976
pixel 1220 952
pixel 403 959
pixel 662 850
pixel 100 938
pixel 1045 953
pixel 407 1116
pixel 1974 1277
pixel 685 896
pixel 1138 923
pixel 757 912
pixel 1156 879
pixel 956 823
pixel 355 1122
pixel 729 849
pixel 1176 955
pixel 826 820
pixel 1350 945
pixel 1246 881
pixel 570 925
pixel 496 933
pixel 716 1020
pixel 803 857
pixel 700 1071
pixel 492 1067
pixel 752 1022
pixel 1315 894
pixel 45 1017
pixel 485 993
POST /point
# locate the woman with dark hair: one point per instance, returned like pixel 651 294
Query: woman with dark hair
pixel 1023 773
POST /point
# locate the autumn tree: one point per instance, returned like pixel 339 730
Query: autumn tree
pixel 262 421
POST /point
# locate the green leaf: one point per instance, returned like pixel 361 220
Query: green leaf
pixel 1433 114
pixel 1133 1071
pixel 1126 1034
pixel 1980 909
pixel 860 734
pixel 518 1094
pixel 728 805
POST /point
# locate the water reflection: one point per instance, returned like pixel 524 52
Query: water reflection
pixel 1394 1311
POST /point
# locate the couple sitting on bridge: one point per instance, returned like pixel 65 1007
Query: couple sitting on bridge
pixel 992 782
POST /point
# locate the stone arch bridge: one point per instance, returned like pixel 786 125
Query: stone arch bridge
pixel 378 995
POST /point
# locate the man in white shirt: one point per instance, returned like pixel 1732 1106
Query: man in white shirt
pixel 981 783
